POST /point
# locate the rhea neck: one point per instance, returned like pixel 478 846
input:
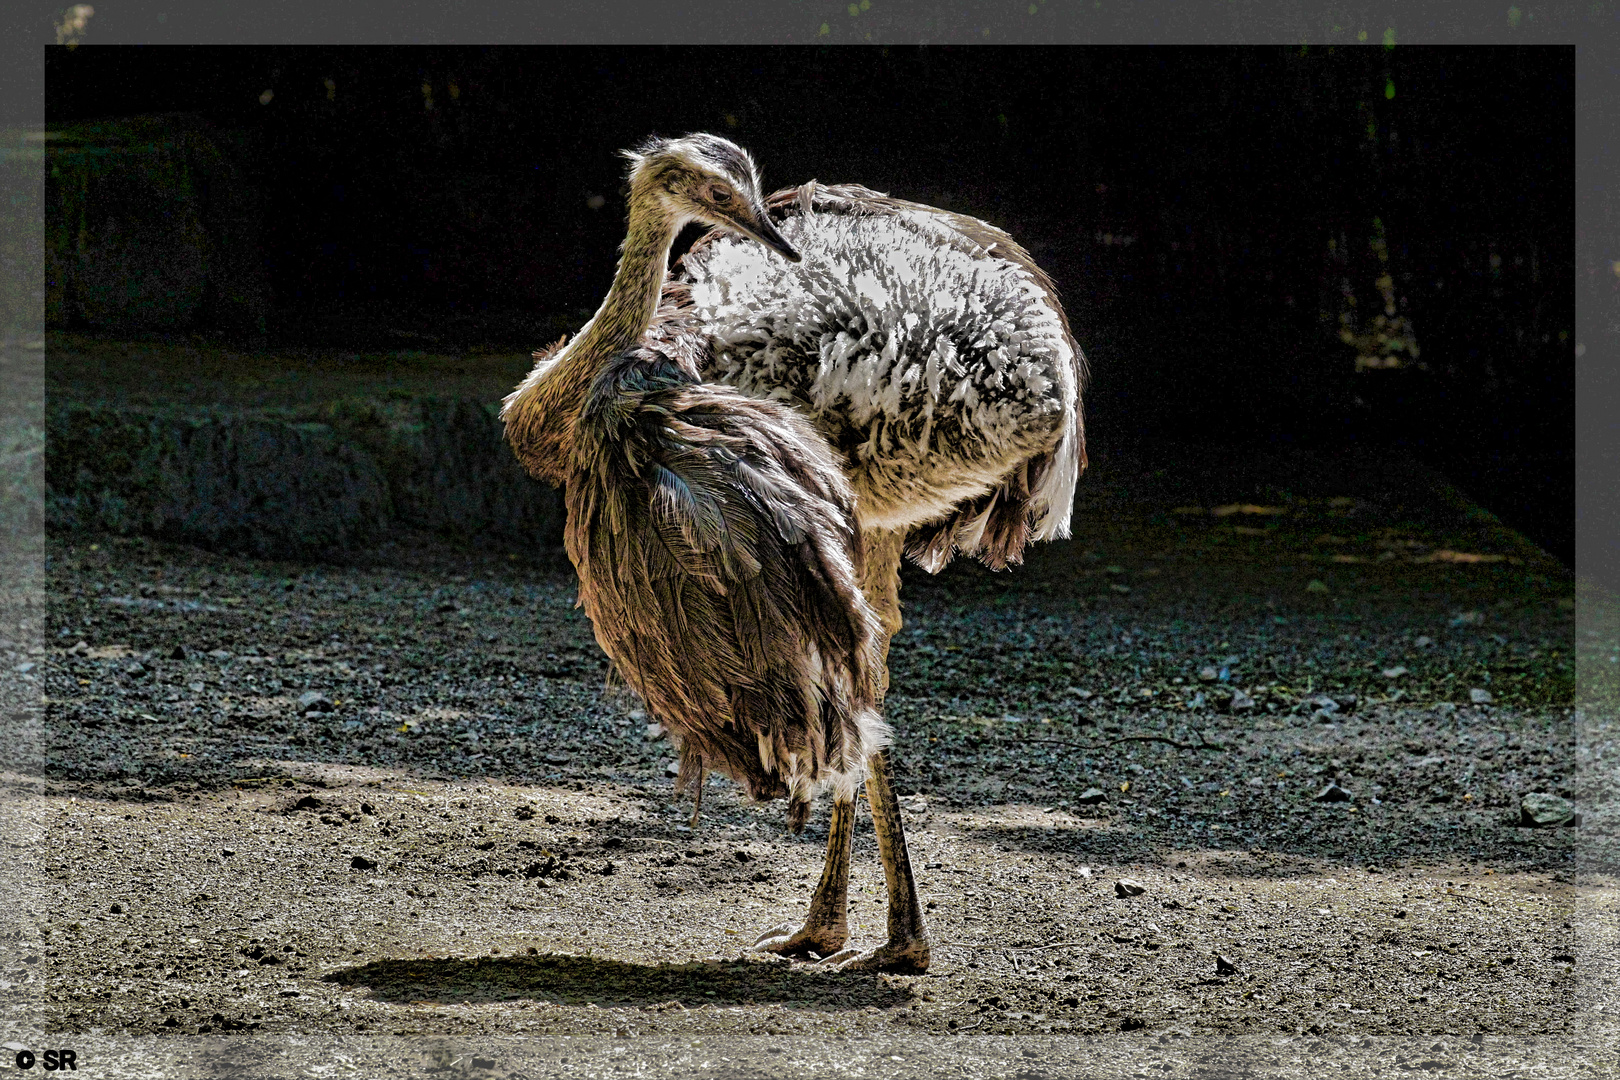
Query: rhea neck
pixel 631 302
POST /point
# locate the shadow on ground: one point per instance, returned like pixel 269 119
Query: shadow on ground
pixel 578 980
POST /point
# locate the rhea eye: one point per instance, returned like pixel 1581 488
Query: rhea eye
pixel 720 195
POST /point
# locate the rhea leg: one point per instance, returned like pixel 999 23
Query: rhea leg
pixel 826 926
pixel 907 947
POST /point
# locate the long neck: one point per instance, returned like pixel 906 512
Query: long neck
pixel 540 413
pixel 628 309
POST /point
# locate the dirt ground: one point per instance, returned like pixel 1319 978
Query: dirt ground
pixel 462 840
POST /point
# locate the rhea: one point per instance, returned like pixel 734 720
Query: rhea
pixel 827 381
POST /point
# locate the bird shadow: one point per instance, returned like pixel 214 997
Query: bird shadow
pixel 579 980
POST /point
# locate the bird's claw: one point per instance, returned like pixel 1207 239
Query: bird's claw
pixel 902 958
pixel 802 942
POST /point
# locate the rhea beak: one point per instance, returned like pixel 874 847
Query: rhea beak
pixel 758 226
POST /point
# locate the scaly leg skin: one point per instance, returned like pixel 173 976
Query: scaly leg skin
pixel 907 947
pixel 906 951
pixel 826 926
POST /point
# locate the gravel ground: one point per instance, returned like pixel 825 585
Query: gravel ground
pixel 388 796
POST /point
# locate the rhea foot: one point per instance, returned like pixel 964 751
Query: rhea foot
pixel 907 957
pixel 813 939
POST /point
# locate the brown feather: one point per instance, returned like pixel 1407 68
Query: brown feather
pixel 714 538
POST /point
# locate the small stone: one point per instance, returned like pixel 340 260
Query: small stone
pixel 672 769
pixel 313 701
pixel 1241 701
pixel 1543 810
pixel 82 648
pixel 117 909
pixel 1225 965
pixel 1080 692
pixel 360 862
pixel 556 759
pixel 1400 913
pixel 367 808
pixel 1325 704
pixel 1317 586
pixel 1208 674
pixel 1423 641
pixel 227 852
pixel 1394 672
pixel 1333 793
pixel 524 813
pixel 1125 887
pixel 220 654
pixel 1091 796
pixel 1480 696
pixel 179 652
pixel 654 730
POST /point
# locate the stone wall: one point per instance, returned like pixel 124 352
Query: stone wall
pixel 293 483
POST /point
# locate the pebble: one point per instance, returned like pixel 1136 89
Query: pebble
pixel 1208 674
pixel 1126 887
pixel 1225 965
pixel 360 862
pixel 179 652
pixel 1480 696
pixel 1091 796
pixel 1394 672
pixel 1542 810
pixel 1241 701
pixel 313 701
pixel 1333 793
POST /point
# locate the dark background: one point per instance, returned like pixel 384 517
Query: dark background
pixel 470 198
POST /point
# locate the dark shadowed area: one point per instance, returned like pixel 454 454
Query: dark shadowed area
pixel 1311 245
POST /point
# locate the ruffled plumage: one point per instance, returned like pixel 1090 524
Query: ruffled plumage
pixel 714 538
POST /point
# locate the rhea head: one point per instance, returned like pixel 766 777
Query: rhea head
pixel 703 178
